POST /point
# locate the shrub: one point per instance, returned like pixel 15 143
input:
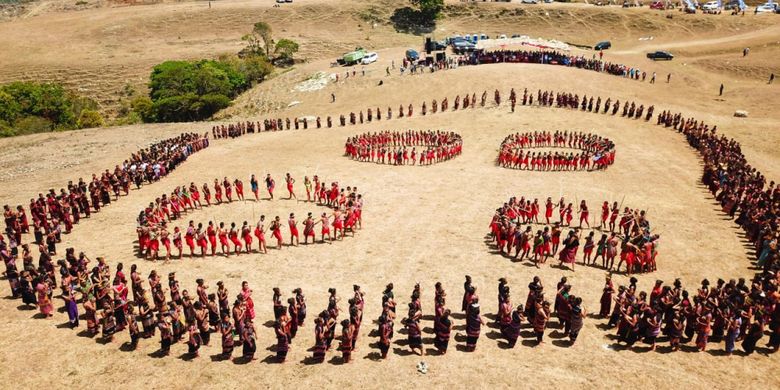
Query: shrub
pixel 285 49
pixel 196 90
pixel 256 68
pixel 30 107
pixel 32 125
pixel 90 118
pixel 144 107
pixel 6 130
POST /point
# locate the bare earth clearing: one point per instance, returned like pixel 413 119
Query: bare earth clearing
pixel 423 224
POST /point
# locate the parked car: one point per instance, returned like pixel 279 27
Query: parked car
pixel 766 8
pixel 438 45
pixel 658 5
pixel 455 40
pixel 463 46
pixel 660 55
pixel 529 1
pixel 710 6
pixel 502 36
pixel 604 45
pixel 731 4
pixel 370 57
pixel 412 55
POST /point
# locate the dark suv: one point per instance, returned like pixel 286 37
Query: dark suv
pixel 602 45
pixel 660 55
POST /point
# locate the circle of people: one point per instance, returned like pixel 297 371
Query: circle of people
pixel 153 230
pixel 596 152
pixel 638 247
pixel 394 147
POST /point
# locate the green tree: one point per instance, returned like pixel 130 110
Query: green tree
pixel 285 49
pixel 171 78
pixel 180 108
pixel 27 102
pixel 49 101
pixel 429 8
pixel 209 78
pixel 9 107
pixel 212 103
pixel 254 68
pixel 232 71
pixel 260 40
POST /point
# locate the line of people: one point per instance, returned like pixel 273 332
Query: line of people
pixel 394 147
pixel 741 189
pixel 729 312
pixel 638 246
pixel 234 130
pixel 553 57
pixel 57 211
pixel 596 152
pixel 112 304
pixel 154 234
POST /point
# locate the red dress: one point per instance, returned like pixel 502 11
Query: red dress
pixel 293 228
pixel 234 238
pixel 212 234
pixel 189 238
pixel 259 234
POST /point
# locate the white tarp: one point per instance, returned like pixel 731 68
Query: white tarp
pixel 523 40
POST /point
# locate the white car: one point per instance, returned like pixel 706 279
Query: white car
pixel 710 6
pixel 768 7
pixel 502 36
pixel 529 1
pixel 370 57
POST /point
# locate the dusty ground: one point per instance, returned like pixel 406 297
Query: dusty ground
pixel 421 224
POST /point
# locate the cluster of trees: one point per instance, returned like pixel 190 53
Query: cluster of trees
pixel 31 107
pixel 420 19
pixel 182 91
